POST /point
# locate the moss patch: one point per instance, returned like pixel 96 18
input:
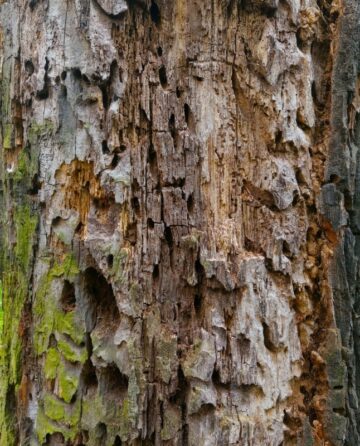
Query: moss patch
pixel 25 229
pixel 49 318
pixel 52 363
pixel 68 382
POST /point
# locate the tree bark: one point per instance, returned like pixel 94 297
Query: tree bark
pixel 180 222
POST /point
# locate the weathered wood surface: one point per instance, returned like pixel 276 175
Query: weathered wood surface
pixel 179 222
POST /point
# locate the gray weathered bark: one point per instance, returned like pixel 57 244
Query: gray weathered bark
pixel 180 225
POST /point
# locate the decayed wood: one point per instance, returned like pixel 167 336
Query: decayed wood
pixel 179 185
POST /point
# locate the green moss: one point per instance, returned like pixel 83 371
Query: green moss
pixel 7 137
pixel 68 382
pixel 125 422
pixel 63 413
pixel 52 363
pixel 48 317
pixel 1 313
pixel 129 410
pixel 15 261
pixel 93 410
pixel 72 354
pixel 45 425
pixel 7 437
pixel 120 259
pixel 53 408
pixel 40 129
pixel 22 170
pixel 58 411
pixel 14 295
pixel 67 324
pixel 25 228
pixel 67 268
pixel 14 292
pixel 73 416
pixel 5 88
pixel 44 314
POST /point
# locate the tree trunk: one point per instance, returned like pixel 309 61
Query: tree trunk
pixel 180 222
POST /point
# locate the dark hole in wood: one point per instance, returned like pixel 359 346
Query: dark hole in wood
pixel 155 273
pixel 313 91
pixel 52 341
pixel 144 121
pixel 135 205
pixel 35 185
pixel 115 161
pixel 101 434
pixel 151 155
pixel 112 383
pixel 168 236
pixel 43 93
pixel 334 178
pixel 296 198
pixel 187 113
pixel 286 249
pixel 110 261
pixel 172 126
pixel 178 397
pixel 190 203
pixel 163 76
pixel 10 400
pixel 68 299
pixel 299 41
pixel 79 228
pixel 88 377
pixel 105 95
pixel 32 4
pixel 300 121
pixel 267 338
pixel 102 310
pixel 86 79
pixel 151 223
pixel 197 304
pixel 29 67
pixel 300 177
pixel 278 137
pixel 55 439
pixel 85 435
pixel 178 92
pixel 155 13
pixel 117 441
pixel 76 73
pixel 198 267
pixel 105 147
